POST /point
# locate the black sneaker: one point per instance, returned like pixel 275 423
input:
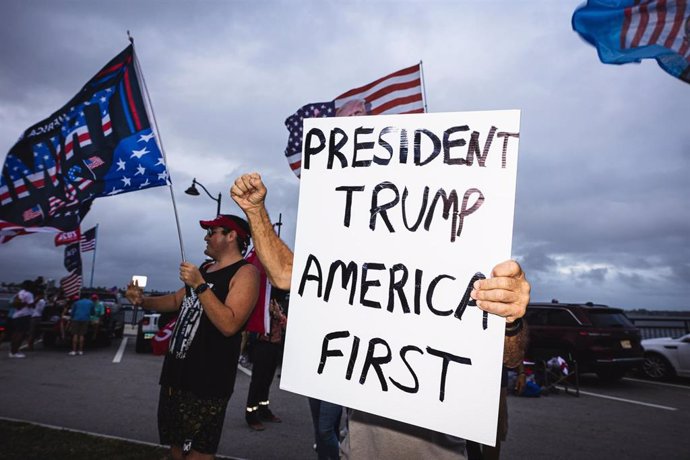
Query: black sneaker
pixel 253 421
pixel 266 415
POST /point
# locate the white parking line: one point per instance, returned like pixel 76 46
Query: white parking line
pixel 120 351
pixel 631 401
pixel 246 371
pixel 663 384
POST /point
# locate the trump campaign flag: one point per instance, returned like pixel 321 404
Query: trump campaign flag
pixel 399 92
pixel 67 237
pixel 631 30
pixel 99 144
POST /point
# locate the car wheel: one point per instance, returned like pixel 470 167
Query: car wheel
pixel 656 367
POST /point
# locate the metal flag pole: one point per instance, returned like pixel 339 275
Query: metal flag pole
pixel 149 110
pixel 421 74
pixel 93 261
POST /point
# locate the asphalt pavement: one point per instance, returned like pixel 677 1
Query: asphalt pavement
pixel 114 391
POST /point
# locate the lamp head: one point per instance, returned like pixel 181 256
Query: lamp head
pixel 192 190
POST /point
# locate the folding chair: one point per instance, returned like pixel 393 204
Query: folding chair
pixel 553 376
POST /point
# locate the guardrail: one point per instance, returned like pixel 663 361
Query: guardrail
pixel 661 326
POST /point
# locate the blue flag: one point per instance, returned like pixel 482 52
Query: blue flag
pixel 99 144
pixel 631 30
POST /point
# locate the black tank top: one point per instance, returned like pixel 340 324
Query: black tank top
pixel 201 359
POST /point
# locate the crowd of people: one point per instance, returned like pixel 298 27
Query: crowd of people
pixel 77 316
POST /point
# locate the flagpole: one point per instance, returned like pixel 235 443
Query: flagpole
pixel 149 109
pixel 421 74
pixel 93 261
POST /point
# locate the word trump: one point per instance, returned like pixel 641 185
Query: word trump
pixel 385 197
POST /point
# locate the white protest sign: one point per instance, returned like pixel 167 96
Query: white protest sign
pixel 396 215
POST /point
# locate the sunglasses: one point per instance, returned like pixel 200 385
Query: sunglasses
pixel 210 232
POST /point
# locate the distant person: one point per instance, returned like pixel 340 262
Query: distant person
pixel 200 367
pixel 22 304
pixel 35 328
pixel 505 293
pixel 265 357
pixel 80 317
pixel 98 312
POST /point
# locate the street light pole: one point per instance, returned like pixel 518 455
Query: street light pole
pixel 192 190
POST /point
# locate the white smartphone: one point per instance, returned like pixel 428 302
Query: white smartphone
pixel 140 280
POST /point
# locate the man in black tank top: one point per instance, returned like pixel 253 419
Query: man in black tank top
pixel 199 370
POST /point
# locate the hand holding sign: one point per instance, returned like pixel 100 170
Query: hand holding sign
pixel 506 293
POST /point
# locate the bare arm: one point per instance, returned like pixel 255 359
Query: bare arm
pixel 249 193
pixel 229 315
pixel 506 294
pixel 165 303
pixel 514 348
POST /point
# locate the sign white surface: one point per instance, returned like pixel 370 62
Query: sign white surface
pixel 386 340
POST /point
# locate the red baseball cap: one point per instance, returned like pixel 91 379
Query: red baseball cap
pixel 229 221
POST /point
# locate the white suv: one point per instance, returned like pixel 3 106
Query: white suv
pixel 148 327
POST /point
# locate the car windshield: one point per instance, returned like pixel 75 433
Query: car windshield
pixel 604 318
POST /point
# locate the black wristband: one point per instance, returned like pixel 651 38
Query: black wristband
pixel 200 289
pixel 512 329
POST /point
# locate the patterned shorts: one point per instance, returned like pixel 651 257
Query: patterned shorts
pixel 184 418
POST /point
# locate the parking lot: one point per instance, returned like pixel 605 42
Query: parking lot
pixel 114 391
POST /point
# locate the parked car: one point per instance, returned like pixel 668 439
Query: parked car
pixel 147 328
pixel 5 307
pixel 56 331
pixel 666 357
pixel 599 338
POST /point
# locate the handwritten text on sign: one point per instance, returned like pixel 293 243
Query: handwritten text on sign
pixel 397 214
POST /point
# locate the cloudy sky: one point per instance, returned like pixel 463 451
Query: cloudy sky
pixel 602 209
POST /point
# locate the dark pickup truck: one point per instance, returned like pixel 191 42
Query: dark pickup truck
pixel 55 327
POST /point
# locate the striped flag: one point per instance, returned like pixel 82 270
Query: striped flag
pixel 88 240
pixel 631 30
pixel 71 284
pixel 101 143
pixel 399 92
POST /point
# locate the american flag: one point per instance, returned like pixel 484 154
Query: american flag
pixel 71 284
pixel 630 30
pixel 399 92
pixel 32 213
pixel 88 240
pixel 99 144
